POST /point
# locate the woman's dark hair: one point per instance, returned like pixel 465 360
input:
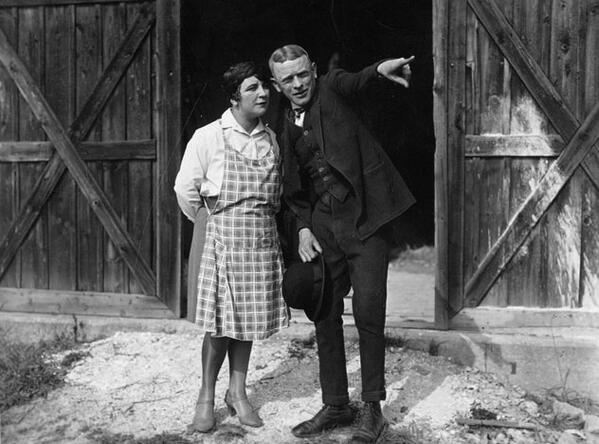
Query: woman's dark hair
pixel 237 73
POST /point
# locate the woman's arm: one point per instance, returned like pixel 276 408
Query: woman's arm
pixel 192 173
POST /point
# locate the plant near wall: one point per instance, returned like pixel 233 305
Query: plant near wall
pixel 27 370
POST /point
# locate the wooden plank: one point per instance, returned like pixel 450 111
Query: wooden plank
pixel 455 162
pixel 526 272
pixel 95 150
pixel 55 167
pixel 527 68
pixel 560 264
pixel 563 220
pixel 538 83
pixel 116 178
pixel 168 132
pixel 34 249
pixel 494 99
pixel 589 276
pixel 532 75
pixel 592 49
pixel 76 302
pixel 138 126
pixel 116 69
pixel 493 189
pixel 534 207
pixel 513 146
pixel 440 32
pixel 88 62
pixel 473 100
pixel 564 65
pixel 60 88
pixel 119 150
pixel 34 3
pixel 532 22
pixel 472 203
pixel 546 320
pixel 81 174
pixel 9 130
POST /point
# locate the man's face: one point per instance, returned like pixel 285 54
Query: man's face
pixel 253 97
pixel 296 79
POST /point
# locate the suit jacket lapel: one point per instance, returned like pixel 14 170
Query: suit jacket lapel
pixel 317 122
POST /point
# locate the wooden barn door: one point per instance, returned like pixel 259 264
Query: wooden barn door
pixel 517 167
pixel 89 130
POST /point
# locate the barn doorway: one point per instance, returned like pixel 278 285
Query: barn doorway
pixel 352 34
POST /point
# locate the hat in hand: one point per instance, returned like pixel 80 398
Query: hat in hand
pixel 304 286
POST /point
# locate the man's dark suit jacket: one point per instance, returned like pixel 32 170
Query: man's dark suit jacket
pixel 349 147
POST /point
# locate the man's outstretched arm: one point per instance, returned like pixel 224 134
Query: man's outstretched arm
pixel 396 70
pixel 351 84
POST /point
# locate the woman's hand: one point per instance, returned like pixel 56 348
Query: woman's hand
pixel 309 247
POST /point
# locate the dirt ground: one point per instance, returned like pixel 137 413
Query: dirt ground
pixel 141 388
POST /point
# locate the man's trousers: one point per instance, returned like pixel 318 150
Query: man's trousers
pixel 363 263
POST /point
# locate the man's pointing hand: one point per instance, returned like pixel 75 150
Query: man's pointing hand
pixel 397 70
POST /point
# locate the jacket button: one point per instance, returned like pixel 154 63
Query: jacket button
pixel 306 132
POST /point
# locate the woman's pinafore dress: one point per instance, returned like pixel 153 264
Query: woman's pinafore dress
pixel 240 279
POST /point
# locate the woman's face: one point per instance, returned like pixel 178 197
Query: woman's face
pixel 253 97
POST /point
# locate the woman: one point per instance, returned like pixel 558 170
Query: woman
pixel 232 167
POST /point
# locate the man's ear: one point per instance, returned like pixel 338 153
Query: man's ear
pixel 275 84
pixel 314 70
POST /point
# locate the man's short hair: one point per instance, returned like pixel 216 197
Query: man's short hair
pixel 237 73
pixel 287 52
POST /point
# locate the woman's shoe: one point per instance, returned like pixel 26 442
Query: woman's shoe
pixel 203 420
pixel 244 410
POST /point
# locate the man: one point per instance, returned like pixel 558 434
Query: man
pixel 345 193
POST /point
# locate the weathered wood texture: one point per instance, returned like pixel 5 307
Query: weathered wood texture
pixel 16 151
pixel 168 216
pixel 30 3
pixel 9 130
pixel 34 251
pixel 456 50
pixel 94 69
pixel 440 33
pixel 83 302
pixel 529 185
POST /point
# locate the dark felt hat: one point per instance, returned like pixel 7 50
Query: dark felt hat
pixel 304 287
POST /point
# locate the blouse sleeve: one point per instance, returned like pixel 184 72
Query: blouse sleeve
pixel 192 173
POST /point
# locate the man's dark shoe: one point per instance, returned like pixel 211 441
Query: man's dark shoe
pixel 329 417
pixel 371 425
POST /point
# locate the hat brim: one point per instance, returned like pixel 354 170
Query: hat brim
pixel 322 307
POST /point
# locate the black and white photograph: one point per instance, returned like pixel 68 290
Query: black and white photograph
pixel 299 221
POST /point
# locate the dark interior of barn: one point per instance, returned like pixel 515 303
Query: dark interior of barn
pixel 351 34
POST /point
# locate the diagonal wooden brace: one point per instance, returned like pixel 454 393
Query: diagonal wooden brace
pixel 578 152
pixel 529 214
pixel 55 167
pixel 532 75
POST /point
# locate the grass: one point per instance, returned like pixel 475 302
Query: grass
pixel 27 372
pixel 102 437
